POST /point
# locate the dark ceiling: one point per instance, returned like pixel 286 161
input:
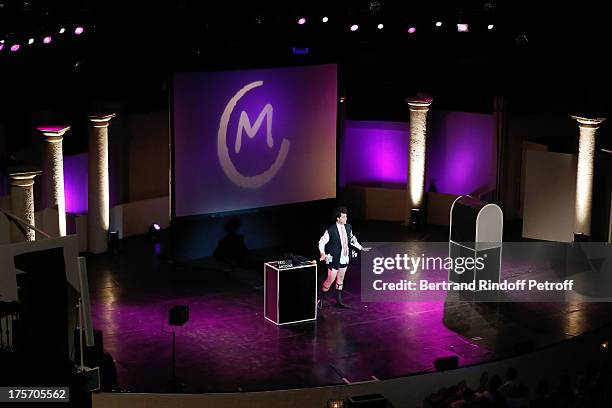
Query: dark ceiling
pixel 542 58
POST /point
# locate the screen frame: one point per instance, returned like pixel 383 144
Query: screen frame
pixel 172 179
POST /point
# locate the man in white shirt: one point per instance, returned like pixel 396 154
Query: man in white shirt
pixel 334 246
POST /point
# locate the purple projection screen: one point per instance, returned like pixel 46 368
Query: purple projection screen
pixel 254 138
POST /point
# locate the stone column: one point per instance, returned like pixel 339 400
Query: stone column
pixel 584 176
pixel 53 172
pixel 22 203
pixel 416 161
pixel 98 189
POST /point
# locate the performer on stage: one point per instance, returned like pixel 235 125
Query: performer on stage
pixel 334 246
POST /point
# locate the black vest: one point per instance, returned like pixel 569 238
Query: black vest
pixel 334 246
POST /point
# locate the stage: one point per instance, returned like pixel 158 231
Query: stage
pixel 228 346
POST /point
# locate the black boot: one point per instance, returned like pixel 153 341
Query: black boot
pixel 320 300
pixel 339 300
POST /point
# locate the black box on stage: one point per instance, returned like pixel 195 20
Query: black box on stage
pixel 290 292
pixel 368 401
pixel 178 316
pixel 446 363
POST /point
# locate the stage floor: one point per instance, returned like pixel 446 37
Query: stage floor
pixel 228 346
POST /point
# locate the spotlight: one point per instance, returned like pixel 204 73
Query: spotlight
pixel 325 19
pixel 62 30
pixel 15 47
pixel 605 345
pixel 30 41
pixel 381 26
pixel 462 28
pixel 1 46
pixel 301 21
pixel 354 27
pixel 412 30
pixel 521 39
pixel 490 27
pixel 335 403
pixel 79 30
pixel 47 39
pixel 154 232
pixel 375 6
pixel 438 24
pixel 416 218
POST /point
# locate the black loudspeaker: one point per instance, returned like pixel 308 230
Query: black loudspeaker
pixel 113 241
pixel 368 401
pixel 43 293
pixel 179 315
pixel 446 363
pixel 525 346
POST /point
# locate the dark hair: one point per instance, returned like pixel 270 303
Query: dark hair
pixel 494 383
pixel 339 211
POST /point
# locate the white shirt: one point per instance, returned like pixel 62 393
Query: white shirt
pixel 344 255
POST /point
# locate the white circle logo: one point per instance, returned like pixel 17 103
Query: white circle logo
pixel 244 124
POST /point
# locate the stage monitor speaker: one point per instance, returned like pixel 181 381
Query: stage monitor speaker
pixel 89 379
pixel 446 363
pixel 368 401
pixel 179 315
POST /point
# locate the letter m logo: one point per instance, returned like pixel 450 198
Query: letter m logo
pixel 251 131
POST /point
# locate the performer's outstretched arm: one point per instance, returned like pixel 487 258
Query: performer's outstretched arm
pixel 356 243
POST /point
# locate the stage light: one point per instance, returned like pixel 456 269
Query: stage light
pixel 490 27
pixel 79 30
pixel 381 26
pixel 15 47
pixel 335 403
pixel 412 30
pixel 605 345
pixel 462 28
pixel 155 227
pixel 354 27
pixel 301 21
pixel 62 30
pixel 438 24
pixel 47 39
pixel 325 19
pixel 30 41
pixel 1 46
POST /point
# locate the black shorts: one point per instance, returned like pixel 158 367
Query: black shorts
pixel 336 265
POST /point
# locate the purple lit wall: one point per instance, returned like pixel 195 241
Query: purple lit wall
pixel 461 153
pixel 75 183
pixel 374 153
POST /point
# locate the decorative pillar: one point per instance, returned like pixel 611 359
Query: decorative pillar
pixel 53 172
pixel 584 177
pixel 416 161
pixel 98 200
pixel 22 203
